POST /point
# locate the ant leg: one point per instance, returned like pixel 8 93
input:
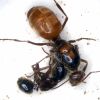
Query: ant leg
pixel 90 74
pixel 48 55
pixel 66 18
pixel 41 60
pixel 72 41
pixel 37 64
pixel 76 48
pixel 28 76
pixel 36 68
pixel 45 51
pixel 27 41
pixel 50 61
pixel 82 60
pixel 60 84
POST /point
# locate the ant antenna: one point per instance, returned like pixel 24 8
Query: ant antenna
pixel 90 74
pixel 27 41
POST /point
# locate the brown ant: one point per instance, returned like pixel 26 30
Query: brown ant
pixel 64 55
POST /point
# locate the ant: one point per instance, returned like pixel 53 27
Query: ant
pixel 49 79
pixel 64 55
pixel 43 80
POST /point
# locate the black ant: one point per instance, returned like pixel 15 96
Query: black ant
pixel 43 80
pixel 49 79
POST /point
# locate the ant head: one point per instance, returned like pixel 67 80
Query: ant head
pixel 76 77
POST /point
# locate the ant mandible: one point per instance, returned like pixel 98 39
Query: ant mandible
pixel 49 27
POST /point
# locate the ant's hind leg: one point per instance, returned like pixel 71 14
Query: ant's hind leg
pixel 66 18
pixel 60 84
pixel 72 41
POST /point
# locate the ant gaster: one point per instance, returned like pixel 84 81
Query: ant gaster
pixel 45 21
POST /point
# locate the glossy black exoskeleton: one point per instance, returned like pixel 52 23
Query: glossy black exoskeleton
pixel 25 85
pixel 66 53
pixel 59 72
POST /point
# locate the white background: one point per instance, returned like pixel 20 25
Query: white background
pixel 16 58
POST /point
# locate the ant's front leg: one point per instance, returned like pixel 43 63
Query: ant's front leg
pixel 72 41
pixel 66 18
